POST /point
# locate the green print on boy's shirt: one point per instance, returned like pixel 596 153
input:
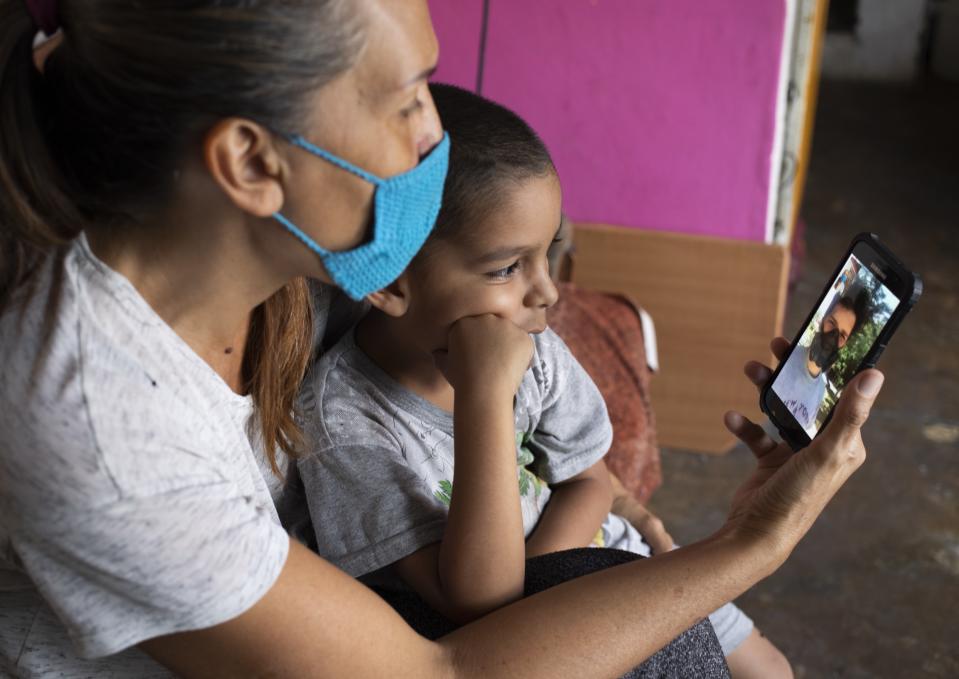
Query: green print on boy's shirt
pixel 527 479
pixel 524 456
pixel 444 493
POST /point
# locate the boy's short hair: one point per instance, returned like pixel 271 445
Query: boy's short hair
pixel 490 147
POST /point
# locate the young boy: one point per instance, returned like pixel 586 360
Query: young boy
pixel 455 364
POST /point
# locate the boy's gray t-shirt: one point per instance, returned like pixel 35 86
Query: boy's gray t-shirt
pixel 379 477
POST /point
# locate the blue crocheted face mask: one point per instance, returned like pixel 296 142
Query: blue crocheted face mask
pixel 404 212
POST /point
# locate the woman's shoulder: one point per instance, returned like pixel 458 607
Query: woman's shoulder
pixel 96 399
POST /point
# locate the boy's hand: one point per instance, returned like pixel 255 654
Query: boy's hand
pixel 648 524
pixel 486 350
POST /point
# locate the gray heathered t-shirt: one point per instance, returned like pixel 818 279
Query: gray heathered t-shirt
pixel 380 474
pixel 132 500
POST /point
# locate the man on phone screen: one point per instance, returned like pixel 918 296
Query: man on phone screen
pixel 802 383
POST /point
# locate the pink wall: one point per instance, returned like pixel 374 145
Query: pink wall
pixel 658 113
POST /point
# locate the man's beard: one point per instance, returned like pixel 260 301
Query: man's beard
pixel 824 349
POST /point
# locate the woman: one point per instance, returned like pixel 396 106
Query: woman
pixel 162 203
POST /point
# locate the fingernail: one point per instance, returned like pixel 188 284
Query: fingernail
pixel 870 383
pixel 734 420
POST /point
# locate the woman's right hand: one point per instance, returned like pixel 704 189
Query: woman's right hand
pixel 486 351
pixel 787 492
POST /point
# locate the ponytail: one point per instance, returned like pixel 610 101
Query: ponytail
pixel 278 350
pixel 36 213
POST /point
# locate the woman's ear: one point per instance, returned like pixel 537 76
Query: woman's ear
pixel 243 160
pixel 394 299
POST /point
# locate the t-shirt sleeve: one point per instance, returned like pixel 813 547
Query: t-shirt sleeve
pixel 369 509
pixel 137 567
pixel 368 505
pixel 574 431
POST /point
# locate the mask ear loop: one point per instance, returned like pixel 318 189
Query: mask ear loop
pixel 301 142
pixel 297 140
pixel 296 231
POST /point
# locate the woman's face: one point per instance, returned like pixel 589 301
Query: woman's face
pixel 378 115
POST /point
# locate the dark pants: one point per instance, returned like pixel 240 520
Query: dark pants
pixel 694 653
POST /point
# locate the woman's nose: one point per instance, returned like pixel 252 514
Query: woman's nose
pixel 431 128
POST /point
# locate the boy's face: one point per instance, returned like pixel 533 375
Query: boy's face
pixel 498 266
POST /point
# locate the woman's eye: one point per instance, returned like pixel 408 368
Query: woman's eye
pixel 416 106
pixel 506 272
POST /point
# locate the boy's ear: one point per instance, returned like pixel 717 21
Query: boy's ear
pixel 394 299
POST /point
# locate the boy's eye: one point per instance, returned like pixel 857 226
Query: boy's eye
pixel 503 273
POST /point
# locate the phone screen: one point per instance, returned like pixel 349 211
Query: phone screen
pixel 842 332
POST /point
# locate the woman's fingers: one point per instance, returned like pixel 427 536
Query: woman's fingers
pixel 750 433
pixel 759 373
pixel 851 414
pixel 779 346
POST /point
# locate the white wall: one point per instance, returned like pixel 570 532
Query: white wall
pixel 885 46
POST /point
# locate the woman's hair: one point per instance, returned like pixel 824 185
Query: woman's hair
pixel 491 148
pixel 130 90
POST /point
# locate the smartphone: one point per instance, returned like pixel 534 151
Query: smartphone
pixel 863 303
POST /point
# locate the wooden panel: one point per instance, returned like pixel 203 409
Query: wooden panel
pixel 716 303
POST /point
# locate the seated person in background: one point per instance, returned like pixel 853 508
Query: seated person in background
pixel 802 383
pixel 459 345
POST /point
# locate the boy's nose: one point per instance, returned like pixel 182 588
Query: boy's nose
pixel 543 293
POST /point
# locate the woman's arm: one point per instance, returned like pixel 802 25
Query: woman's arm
pixel 316 621
pixel 576 509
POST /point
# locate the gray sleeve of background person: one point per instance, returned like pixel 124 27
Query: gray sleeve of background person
pixel 574 431
pixel 368 507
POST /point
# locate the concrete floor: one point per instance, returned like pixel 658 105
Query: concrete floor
pixel 873 590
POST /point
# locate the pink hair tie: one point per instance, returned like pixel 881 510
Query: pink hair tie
pixel 45 15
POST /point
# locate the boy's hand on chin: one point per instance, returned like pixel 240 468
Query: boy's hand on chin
pixel 487 353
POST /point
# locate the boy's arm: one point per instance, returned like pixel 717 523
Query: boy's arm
pixel 576 509
pixel 480 563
